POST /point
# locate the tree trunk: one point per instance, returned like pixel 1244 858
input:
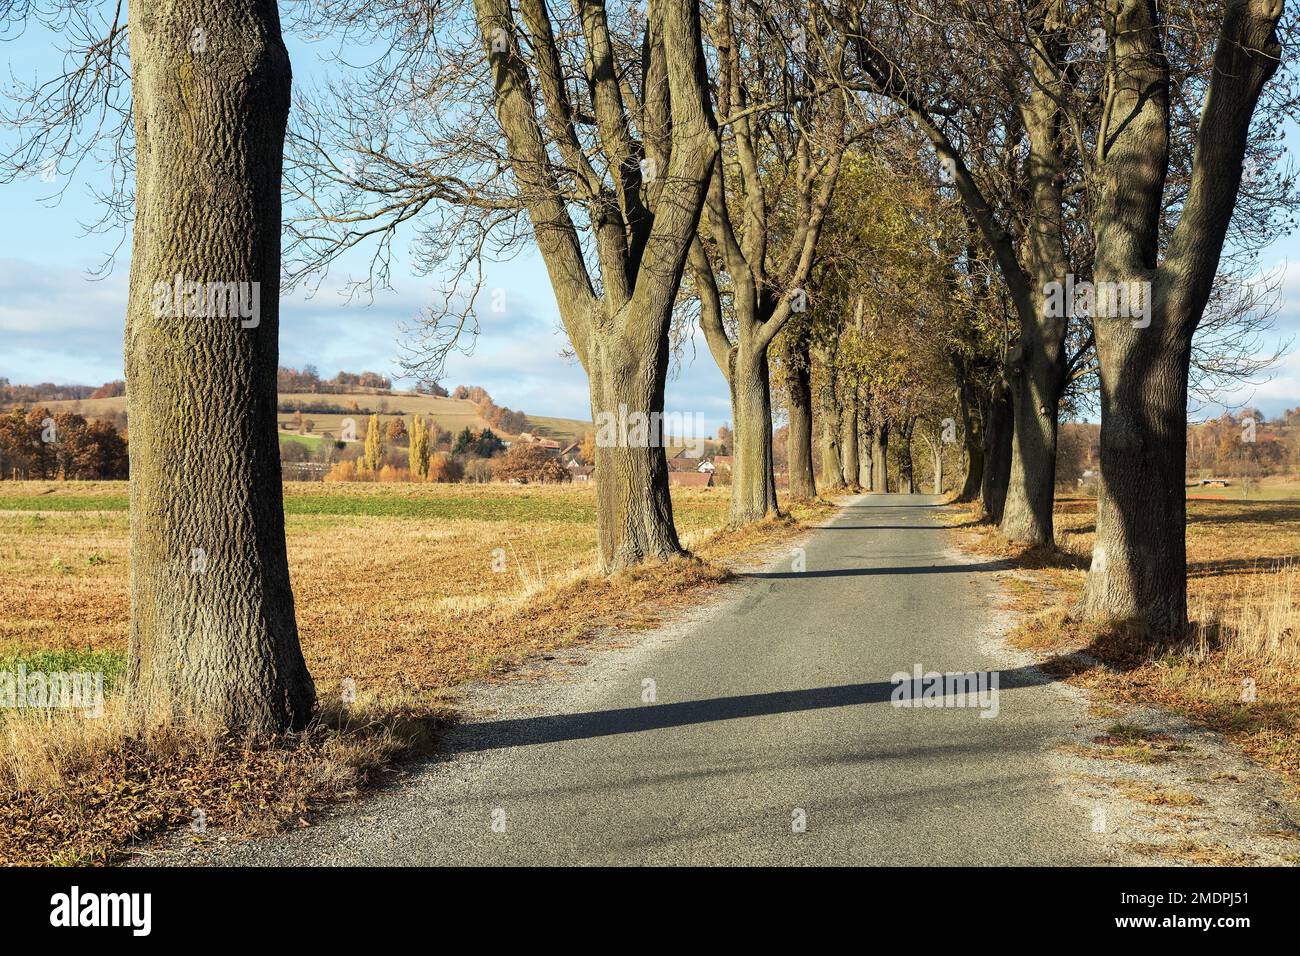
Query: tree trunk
pixel 1139 560
pixel 880 459
pixel 799 452
pixel 866 466
pixel 829 417
pixel 972 443
pixel 213 632
pixel 849 437
pixel 621 333
pixel 906 481
pixel 937 451
pixel 1027 515
pixel 753 485
pixel 634 512
pixel 997 457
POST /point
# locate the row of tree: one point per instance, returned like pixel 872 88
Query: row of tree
pixel 308 380
pixel 642 150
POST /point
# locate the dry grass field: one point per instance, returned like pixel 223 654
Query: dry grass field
pixel 397 593
pixel 1237 672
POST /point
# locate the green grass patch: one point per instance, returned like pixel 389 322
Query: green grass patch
pixel 112 664
pixel 377 506
pixel 468 508
pixel 64 503
pixel 311 441
pixel 472 506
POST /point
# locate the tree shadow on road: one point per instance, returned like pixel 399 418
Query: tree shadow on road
pixel 526 731
pixel 998 565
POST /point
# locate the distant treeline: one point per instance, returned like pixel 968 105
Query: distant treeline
pixel 43 392
pixel 39 444
pixel 309 380
pixel 323 407
pixel 503 419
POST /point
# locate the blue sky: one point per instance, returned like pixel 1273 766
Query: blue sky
pixel 58 324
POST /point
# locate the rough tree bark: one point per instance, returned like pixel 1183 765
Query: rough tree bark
pixel 866 435
pixel 798 390
pixel 906 480
pixel 1139 564
pixel 880 459
pixel 849 453
pixel 828 421
pixel 753 485
pixel 997 457
pixel 213 633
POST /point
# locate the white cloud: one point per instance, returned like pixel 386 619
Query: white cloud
pixel 58 326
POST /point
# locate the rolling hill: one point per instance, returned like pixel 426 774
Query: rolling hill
pixel 451 413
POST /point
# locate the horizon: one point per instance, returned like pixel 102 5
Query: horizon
pixel 63 325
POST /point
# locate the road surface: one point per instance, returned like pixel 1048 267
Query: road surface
pixel 771 738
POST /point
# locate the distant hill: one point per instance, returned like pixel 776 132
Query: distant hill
pixel 451 413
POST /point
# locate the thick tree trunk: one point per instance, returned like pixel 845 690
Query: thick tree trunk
pixel 906 479
pixel 997 458
pixel 972 443
pixel 799 453
pixel 937 451
pixel 866 470
pixel 1038 365
pixel 880 459
pixel 634 511
pixel 849 437
pixel 829 422
pixel 1139 560
pixel 753 485
pixel 1027 514
pixel 212 633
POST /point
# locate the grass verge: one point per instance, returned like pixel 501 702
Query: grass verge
pixel 1236 671
pixel 403 593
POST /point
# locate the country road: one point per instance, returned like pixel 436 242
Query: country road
pixel 771 738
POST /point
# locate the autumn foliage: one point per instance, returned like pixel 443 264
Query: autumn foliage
pixel 529 464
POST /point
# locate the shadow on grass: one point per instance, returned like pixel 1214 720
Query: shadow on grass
pixel 1121 647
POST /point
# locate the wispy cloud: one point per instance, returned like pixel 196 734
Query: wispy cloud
pixel 56 325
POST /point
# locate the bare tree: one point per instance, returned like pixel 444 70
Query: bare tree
pixel 213 633
pixel 768 201
pixel 1139 567
pixel 604 148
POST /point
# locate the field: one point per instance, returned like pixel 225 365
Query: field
pixel 1238 671
pixel 451 413
pixel 395 592
pixel 1269 489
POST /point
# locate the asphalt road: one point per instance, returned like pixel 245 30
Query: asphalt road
pixel 771 738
